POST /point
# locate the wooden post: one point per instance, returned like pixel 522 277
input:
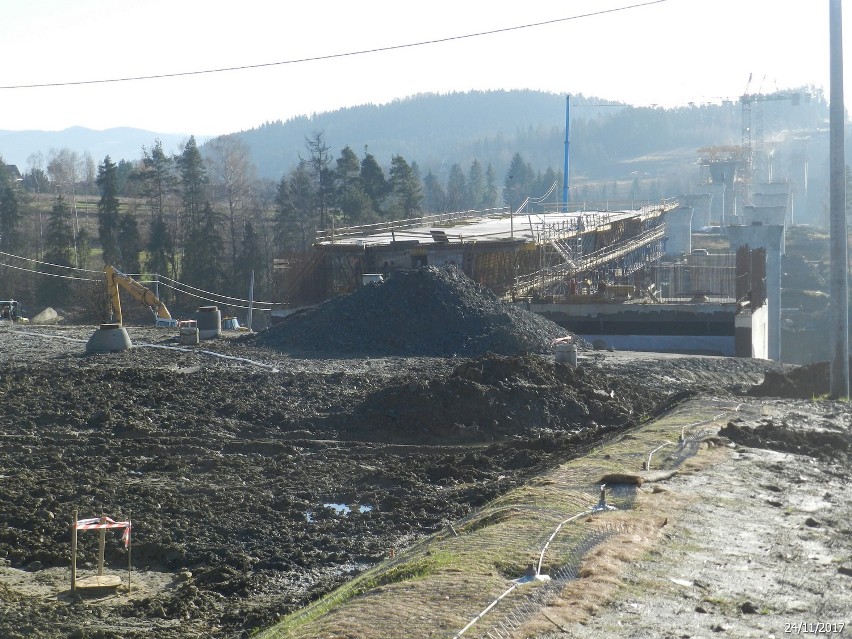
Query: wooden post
pixel 101 544
pixel 130 539
pixel 74 552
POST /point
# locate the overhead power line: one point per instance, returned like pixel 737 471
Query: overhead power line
pixel 333 56
pixel 29 259
pixel 175 285
pixel 64 277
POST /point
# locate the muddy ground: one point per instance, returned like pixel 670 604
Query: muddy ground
pixel 258 481
pixel 758 543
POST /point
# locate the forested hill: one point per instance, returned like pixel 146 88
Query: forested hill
pixel 608 141
pixel 437 131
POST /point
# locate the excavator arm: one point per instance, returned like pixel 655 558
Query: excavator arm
pixel 115 279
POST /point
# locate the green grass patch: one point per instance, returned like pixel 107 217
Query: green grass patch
pixel 416 568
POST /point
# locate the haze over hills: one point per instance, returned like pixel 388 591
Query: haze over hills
pixel 124 143
pixel 608 141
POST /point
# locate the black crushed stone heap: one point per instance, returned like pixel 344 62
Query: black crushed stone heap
pixel 428 311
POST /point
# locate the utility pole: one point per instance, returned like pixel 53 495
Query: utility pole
pixel 567 146
pixel 839 284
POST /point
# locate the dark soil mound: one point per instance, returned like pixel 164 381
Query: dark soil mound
pixel 427 311
pixel 787 439
pixel 496 397
pixel 804 382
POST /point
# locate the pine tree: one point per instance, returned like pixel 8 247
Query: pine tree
pixel 519 182
pixel 406 190
pixel 252 258
pixel 160 248
pixel 204 250
pixel 108 222
pixel 156 179
pixel 192 187
pixel 373 182
pixel 295 223
pixel 349 194
pixel 59 250
pixel 492 192
pixel 456 189
pixel 476 186
pixel 129 243
pixel 10 215
pixel 319 160
pixel 434 197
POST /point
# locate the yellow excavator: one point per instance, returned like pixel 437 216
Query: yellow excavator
pixel 115 280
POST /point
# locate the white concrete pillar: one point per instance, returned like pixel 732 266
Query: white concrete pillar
pixel 679 230
pixel 770 238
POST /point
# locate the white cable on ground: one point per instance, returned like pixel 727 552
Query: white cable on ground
pixel 555 532
pixel 49 336
pixel 271 367
pixel 482 614
pixel 651 454
pixel 245 360
pixel 600 507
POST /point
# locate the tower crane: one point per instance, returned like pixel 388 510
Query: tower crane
pixel 752 124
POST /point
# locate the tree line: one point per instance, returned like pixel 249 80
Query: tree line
pixel 203 217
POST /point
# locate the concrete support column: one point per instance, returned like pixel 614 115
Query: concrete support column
pixel 717 202
pixel 770 238
pixel 679 230
pixel 701 204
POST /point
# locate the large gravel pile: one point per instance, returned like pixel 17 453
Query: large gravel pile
pixel 427 311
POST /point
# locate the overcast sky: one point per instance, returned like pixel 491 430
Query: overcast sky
pixel 668 53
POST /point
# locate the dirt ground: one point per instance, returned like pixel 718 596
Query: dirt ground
pixel 258 480
pixel 756 543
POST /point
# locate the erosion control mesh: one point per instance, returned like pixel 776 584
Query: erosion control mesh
pixel 426 311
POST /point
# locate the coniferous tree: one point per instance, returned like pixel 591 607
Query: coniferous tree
pixel 192 187
pixel 160 248
pixel 10 215
pixel 350 197
pixel 129 243
pixel 456 189
pixel 519 182
pixel 492 191
pixel 252 258
pixel 476 186
pixel 373 182
pixel 204 251
pixel 319 160
pixel 406 190
pixel 295 223
pixel 156 182
pixel 434 197
pixel 108 218
pixel 156 179
pixel 58 250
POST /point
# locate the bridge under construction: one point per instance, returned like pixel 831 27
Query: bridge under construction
pixel 629 276
pixel 517 255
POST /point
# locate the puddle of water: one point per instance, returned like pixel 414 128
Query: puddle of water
pixel 339 509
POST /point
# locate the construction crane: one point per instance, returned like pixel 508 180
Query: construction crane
pixel 752 125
